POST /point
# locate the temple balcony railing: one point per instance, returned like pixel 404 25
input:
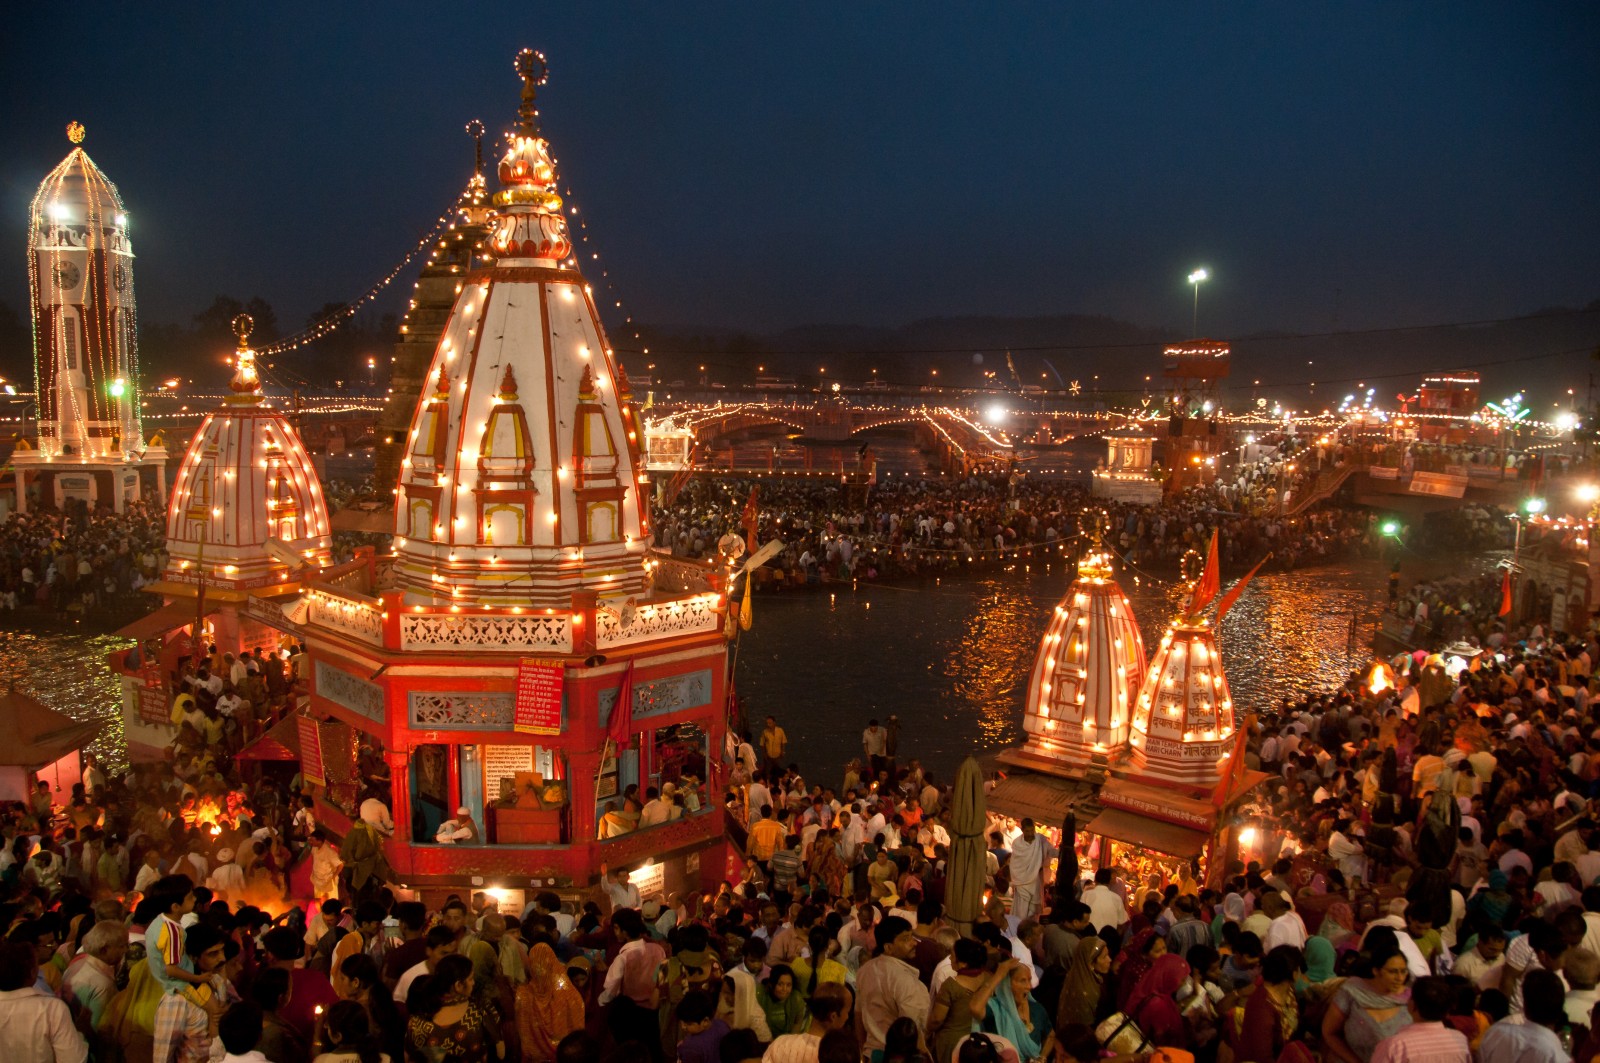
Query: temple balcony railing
pixel 346 612
pixel 448 632
pixel 697 615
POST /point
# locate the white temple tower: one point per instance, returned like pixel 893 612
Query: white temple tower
pixel 246 498
pixel 1089 666
pixel 1183 720
pixel 247 526
pixel 89 445
pixel 521 480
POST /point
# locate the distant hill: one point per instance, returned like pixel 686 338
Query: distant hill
pixel 1542 353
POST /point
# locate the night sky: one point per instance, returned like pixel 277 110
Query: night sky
pixel 762 166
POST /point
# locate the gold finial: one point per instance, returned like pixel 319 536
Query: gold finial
pixel 534 71
pixel 246 382
pixel 75 132
pixel 475 131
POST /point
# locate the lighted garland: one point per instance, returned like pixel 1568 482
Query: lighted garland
pixel 336 320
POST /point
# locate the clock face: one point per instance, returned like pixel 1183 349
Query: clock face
pixel 119 277
pixel 67 276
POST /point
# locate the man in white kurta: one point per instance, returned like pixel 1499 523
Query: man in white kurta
pixel 1031 854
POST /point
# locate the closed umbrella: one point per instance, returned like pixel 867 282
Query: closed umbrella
pixel 964 885
pixel 1066 888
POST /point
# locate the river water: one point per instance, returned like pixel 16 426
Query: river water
pixel 951 657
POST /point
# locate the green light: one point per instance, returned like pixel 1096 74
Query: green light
pixel 119 388
pixel 1391 527
pixel 1533 506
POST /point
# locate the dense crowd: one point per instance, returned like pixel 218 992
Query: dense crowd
pixel 911 527
pixel 1421 882
pixel 79 560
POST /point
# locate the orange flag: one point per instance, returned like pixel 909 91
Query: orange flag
pixel 1233 771
pixel 1210 583
pixel 1236 590
pixel 1505 594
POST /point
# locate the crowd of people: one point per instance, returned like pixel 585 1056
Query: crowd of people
pixel 75 560
pixel 921 527
pixel 1422 883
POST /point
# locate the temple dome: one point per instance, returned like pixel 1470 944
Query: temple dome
pixel 245 479
pixel 1090 662
pixel 1183 720
pixel 520 484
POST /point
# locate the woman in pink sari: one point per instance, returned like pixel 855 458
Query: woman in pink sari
pixel 1153 1007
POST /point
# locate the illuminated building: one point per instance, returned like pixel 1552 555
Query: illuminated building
pixel 1194 440
pixel 1183 721
pixel 1085 677
pixel 1142 761
pixel 486 662
pixel 246 523
pixel 89 446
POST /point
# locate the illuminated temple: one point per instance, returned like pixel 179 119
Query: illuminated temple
pixel 246 526
pixel 1140 762
pixel 523 658
pixel 1086 674
pixel 523 655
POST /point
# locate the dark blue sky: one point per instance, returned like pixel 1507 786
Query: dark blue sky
pixel 767 165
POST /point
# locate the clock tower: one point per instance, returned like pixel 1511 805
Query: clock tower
pixel 89 444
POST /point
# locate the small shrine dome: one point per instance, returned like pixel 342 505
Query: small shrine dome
pixel 1090 662
pixel 1183 720
pixel 521 479
pixel 247 499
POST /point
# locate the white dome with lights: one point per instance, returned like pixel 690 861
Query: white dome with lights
pixel 246 479
pixel 520 483
pixel 1183 720
pixel 1088 670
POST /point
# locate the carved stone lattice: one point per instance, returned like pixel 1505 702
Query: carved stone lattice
pixel 352 618
pixel 353 693
pixel 692 617
pixel 675 575
pixel 533 633
pixel 461 711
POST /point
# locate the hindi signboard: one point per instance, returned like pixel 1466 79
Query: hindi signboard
pixel 538 709
pixel 311 765
pixel 501 765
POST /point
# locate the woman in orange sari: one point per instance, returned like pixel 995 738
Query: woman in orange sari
pixel 548 1006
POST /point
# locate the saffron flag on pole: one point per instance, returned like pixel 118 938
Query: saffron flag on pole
pixel 1210 582
pixel 1236 590
pixel 1233 771
pixel 1505 594
pixel 620 721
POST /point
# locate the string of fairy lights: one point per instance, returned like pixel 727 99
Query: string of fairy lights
pixel 326 326
pixel 97 254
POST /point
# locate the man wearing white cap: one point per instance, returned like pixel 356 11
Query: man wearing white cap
pixel 458 831
pixel 227 879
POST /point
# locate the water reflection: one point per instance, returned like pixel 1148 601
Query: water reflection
pixel 953 659
pixel 67 671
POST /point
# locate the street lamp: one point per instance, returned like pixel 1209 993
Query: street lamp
pixel 1195 278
